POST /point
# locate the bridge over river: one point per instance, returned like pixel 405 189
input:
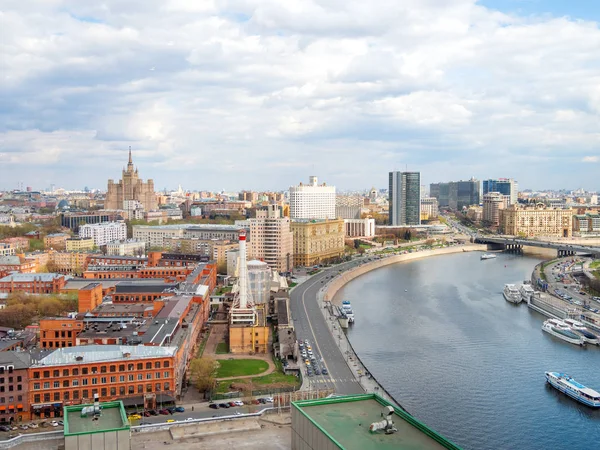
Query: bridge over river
pixel 516 244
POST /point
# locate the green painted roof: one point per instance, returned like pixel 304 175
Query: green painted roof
pixel 113 418
pixel 346 420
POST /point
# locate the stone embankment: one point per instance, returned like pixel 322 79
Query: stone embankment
pixel 345 277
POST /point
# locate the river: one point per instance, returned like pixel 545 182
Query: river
pixel 439 336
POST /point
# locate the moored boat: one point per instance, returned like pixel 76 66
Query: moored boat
pixel 564 383
pixel 579 328
pixel 511 293
pixel 347 309
pixel 526 291
pixel 562 331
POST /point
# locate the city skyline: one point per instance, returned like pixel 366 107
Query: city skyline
pixel 259 95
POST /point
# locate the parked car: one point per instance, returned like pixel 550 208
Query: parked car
pixel 4 428
pixel 146 414
pixel 261 400
pixel 324 371
pixel 54 423
pixel 180 409
pixel 135 417
pixel 33 425
pixel 269 399
pixel 61 423
pixel 170 420
pixel 232 404
pixel 164 412
pixel 171 409
pixel 239 403
pixel 213 406
pixel 255 401
pixel 223 405
pixel 23 427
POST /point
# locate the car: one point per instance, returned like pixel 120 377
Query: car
pixel 33 425
pixel 324 371
pixel 213 406
pixel 61 423
pixel 170 420
pixel 239 403
pixel 310 373
pixel 232 404
pixel 14 427
pixel 237 413
pixel 269 399
pixel 180 409
pixel 135 417
pixel 224 405
pixel 146 414
pixel 153 412
pixel 261 400
pixel 317 371
pixel 582 293
pixel 255 401
pixel 23 427
pixel 4 428
pixel 54 423
pixel 44 424
pixel 189 418
pixel 164 412
pixel 171 409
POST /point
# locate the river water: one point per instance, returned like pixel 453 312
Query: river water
pixel 439 336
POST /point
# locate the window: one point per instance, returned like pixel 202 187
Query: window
pixel 19 387
pixel 113 379
pixel 19 398
pixel 121 367
pixel 11 399
pixel 103 392
pixel 19 379
pixel 103 369
pixel 94 380
pixel 113 391
pixel 84 371
pixel 56 384
pixel 57 396
pixel 75 383
pixel 157 375
pixel 46 374
pixel 84 393
pixel 103 380
pixel 166 375
pixel 157 365
pixel 166 386
pixel 148 365
pixel 94 391
pixel 36 398
pixel 75 395
pixel 140 388
pixel 122 390
pixel 148 388
pixel 157 387
pixel 65 372
pixel 36 386
pixel 65 383
pixel 75 372
pixel 130 367
pixel 140 366
pixel 122 378
pixel 56 373
pixel 84 382
pixel 46 385
pixel 148 376
pixel 130 377
pixel 165 364
pixel 66 396
pixel 113 368
pixel 140 376
pixel 131 390
pixel 47 397
pixel 36 374
pixel 94 370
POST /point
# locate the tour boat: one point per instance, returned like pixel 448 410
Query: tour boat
pixel 512 294
pixel 526 291
pixel 579 328
pixel 347 309
pixel 562 331
pixel 488 256
pixel 564 383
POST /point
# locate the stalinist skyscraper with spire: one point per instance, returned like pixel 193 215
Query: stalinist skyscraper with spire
pixel 130 187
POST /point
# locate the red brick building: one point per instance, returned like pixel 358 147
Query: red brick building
pixel 33 283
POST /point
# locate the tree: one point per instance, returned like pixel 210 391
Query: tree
pixel 356 244
pixel 361 250
pixel 203 372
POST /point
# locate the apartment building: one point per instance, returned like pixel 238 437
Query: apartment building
pixel 126 248
pixel 14 386
pixel 72 375
pixel 271 238
pixel 69 262
pixel 77 244
pixel 155 236
pixel 56 241
pixel 493 203
pixel 316 241
pixel 538 220
pixel 103 233
pixel 429 208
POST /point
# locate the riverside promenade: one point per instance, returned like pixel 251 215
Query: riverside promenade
pixel 326 296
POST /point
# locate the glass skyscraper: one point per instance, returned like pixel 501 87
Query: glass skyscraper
pixel 405 198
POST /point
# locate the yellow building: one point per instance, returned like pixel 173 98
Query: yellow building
pixel 538 220
pixel 79 244
pixel 316 241
pixel 254 338
pixel 69 262
pixel 130 187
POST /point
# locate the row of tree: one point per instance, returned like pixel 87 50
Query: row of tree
pixel 22 309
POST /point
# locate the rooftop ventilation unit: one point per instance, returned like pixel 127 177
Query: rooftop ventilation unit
pixel 386 424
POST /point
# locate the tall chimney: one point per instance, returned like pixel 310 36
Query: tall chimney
pixel 243 272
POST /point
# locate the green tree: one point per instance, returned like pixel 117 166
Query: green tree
pixel 203 372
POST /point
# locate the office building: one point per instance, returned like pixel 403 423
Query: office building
pixel 349 206
pixel 75 220
pixel 506 186
pixel 103 233
pixel 109 430
pixel 130 187
pixel 129 247
pixel 312 201
pixel 493 203
pixel 317 241
pixel 271 238
pixel 429 208
pixel 405 198
pixel 33 283
pixel 77 244
pixel 586 224
pixel 56 241
pixel 155 236
pixel 456 195
pixel 538 220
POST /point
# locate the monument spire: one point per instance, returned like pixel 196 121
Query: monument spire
pixel 130 161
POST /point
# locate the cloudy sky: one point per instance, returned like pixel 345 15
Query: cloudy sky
pixel 260 94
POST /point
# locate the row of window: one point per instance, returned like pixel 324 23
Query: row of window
pixel 103 369
pixel 11 399
pixel 104 392
pixel 94 380
pixel 11 379
pixel 11 388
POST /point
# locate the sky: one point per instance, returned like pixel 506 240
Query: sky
pixel 260 94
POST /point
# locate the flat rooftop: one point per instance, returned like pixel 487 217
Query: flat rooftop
pixel 347 419
pixel 113 418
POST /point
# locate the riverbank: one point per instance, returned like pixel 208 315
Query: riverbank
pixel 366 380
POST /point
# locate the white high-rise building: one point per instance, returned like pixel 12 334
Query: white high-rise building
pixel 312 201
pixel 103 233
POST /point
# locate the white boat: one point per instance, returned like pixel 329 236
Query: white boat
pixel 526 291
pixel 488 256
pixel 564 383
pixel 562 331
pixel 580 328
pixel 347 310
pixel 512 294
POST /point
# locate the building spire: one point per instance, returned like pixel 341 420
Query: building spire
pixel 130 161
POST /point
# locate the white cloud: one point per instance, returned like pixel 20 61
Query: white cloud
pixel 281 85
pixel 591 159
